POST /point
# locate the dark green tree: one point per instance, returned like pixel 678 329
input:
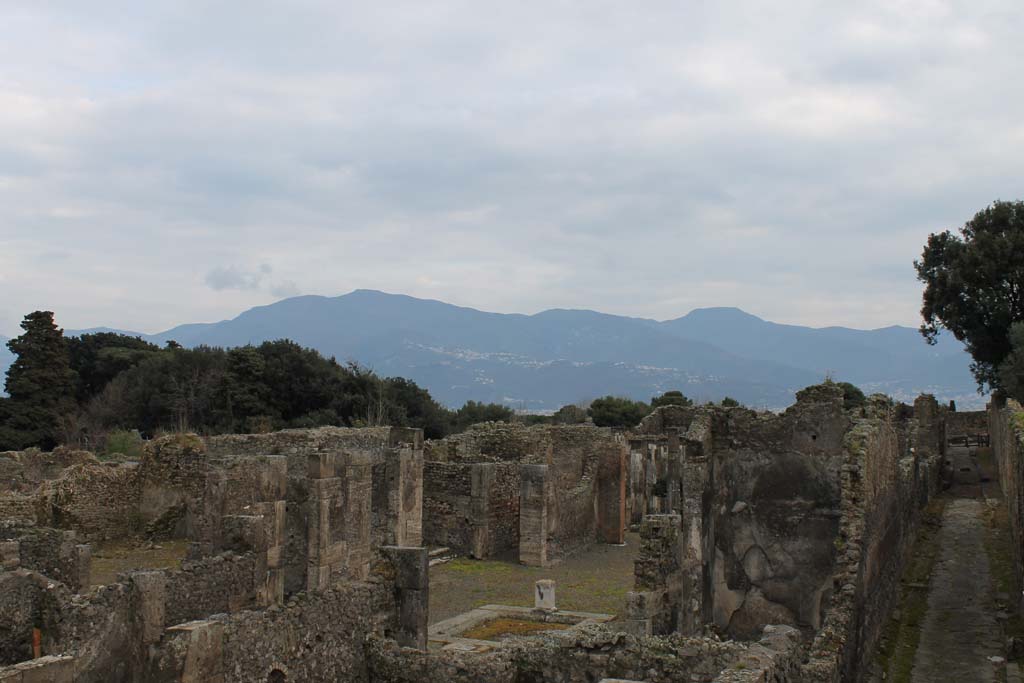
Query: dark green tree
pixel 614 411
pixel 729 402
pixel 98 358
pixel 569 415
pixel 39 384
pixel 472 412
pixel 853 397
pixel 1011 370
pixel 974 286
pixel 414 407
pixel 670 398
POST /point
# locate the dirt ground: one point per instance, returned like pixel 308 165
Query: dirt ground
pixel 594 581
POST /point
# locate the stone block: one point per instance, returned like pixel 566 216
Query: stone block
pixel 244 533
pixel 151 596
pixel 275 557
pixel 534 497
pixel 411 566
pixel 406 436
pixel 82 563
pixel 544 595
pixel 204 650
pixel 10 555
pixel 48 669
pixel 322 465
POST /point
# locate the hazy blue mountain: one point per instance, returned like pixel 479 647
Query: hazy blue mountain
pixel 891 359
pixel 558 356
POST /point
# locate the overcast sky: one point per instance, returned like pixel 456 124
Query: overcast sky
pixel 163 163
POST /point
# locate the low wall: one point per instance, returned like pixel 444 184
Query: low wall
pixel 313 638
pixel 586 654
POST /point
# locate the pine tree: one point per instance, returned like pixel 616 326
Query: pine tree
pixel 39 384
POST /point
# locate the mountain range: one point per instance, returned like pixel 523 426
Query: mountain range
pixel 543 361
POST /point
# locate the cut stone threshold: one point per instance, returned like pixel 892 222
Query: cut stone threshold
pixel 447 634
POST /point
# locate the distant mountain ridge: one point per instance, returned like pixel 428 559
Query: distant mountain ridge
pixel 548 359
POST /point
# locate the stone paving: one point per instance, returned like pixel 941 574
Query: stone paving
pixel 960 636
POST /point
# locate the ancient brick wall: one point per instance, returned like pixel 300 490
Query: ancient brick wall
pixel 54 553
pixel 503 510
pixel 365 471
pixel 99 501
pixel 20 597
pixel 588 654
pixel 473 488
pixel 24 470
pixel 19 508
pixel 1006 424
pixel 223 583
pixel 960 423
pixel 446 500
pixel 312 638
pixel 884 487
pixel 572 519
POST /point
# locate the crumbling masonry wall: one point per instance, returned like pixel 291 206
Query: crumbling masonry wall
pixel 368 481
pixel 1006 422
pixel 890 471
pixel 484 495
pixel 803 519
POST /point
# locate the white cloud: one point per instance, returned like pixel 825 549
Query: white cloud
pixel 789 159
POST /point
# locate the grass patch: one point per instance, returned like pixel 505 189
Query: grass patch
pixel 463 565
pixel 499 629
pixel 900 638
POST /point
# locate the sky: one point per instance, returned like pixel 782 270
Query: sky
pixel 173 162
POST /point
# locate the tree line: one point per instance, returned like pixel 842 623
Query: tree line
pixel 98 390
pixel 79 390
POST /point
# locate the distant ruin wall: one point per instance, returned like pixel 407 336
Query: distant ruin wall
pixel 473 490
pixel 447 490
pixel 966 423
pixel 371 468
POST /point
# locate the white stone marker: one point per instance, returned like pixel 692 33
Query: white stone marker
pixel 544 597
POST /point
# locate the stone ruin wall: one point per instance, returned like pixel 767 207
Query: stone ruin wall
pixel 890 471
pixel 741 492
pixel 840 491
pixel 961 423
pixel 1006 422
pixel 157 625
pixel 476 484
pixel 372 474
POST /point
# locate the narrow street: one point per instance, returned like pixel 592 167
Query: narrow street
pixel 953 615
